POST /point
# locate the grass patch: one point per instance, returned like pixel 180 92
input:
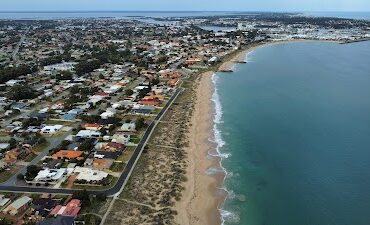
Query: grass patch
pixel 126 155
pixel 57 134
pixel 117 167
pixel 58 122
pixel 4 134
pixel 41 147
pixel 30 157
pixel 5 175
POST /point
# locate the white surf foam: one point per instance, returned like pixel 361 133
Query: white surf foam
pixel 226 216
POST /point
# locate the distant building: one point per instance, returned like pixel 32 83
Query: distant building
pixel 245 27
pixel 65 66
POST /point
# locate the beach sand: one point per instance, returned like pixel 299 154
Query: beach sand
pixel 200 200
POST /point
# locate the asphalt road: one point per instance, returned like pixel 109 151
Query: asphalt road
pixel 122 179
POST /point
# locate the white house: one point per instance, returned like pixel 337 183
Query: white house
pixel 51 175
pixel 65 66
pixel 121 138
pixel 89 175
pixel 88 134
pixel 51 129
pixel 129 127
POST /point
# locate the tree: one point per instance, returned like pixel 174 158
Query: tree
pixel 155 81
pixel 140 123
pixel 12 142
pixel 82 195
pixel 32 172
pixel 20 176
pixel 64 75
pixel 20 92
pixel 129 92
pixel 87 145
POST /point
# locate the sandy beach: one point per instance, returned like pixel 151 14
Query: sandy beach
pixel 200 200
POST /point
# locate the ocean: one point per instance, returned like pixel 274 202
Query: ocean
pixel 45 15
pixel 293 128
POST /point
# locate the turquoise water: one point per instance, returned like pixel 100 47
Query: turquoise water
pixel 296 125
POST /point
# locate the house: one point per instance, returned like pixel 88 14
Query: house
pixel 92 126
pixel 170 74
pixel 142 109
pixel 121 138
pixel 3 200
pixel 68 154
pixel 19 152
pixel 65 66
pixel 59 220
pixel 71 209
pixel 50 175
pixel 128 127
pixel 88 134
pixel 18 206
pixel 110 146
pixel 108 114
pixel 12 83
pixel 51 129
pixel 90 175
pixel 102 164
pixel 4 146
pixel 172 82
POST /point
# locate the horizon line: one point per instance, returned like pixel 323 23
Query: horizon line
pixel 176 11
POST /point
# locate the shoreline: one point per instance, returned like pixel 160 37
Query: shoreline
pixel 201 199
pixel 204 193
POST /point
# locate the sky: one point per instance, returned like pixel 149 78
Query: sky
pixel 185 5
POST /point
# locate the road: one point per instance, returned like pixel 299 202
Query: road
pixel 8 186
pixel 15 52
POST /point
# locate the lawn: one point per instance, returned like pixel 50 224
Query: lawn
pixel 58 122
pixel 117 167
pixel 41 147
pixel 57 134
pixel 5 175
pixel 126 155
pixel 30 157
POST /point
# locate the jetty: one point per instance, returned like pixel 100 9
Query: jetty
pixel 354 41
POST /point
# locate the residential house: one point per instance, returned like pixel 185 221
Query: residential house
pixel 128 127
pixel 18 206
pixel 51 175
pixel 92 126
pixel 51 129
pixel 68 154
pixel 3 200
pixel 19 152
pixel 88 134
pixel 71 209
pixel 89 175
pixel 102 164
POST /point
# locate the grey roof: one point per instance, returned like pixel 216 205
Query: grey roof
pixel 21 202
